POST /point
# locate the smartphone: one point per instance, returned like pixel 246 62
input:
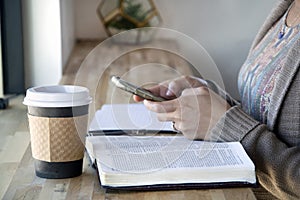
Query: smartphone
pixel 133 89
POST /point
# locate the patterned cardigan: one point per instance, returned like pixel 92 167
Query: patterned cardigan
pixel 274 147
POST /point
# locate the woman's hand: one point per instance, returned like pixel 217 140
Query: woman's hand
pixel 194 113
pixel 172 89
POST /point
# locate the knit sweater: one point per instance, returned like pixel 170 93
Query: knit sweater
pixel 258 75
pixel 274 147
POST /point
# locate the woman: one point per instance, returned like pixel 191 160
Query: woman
pixel 267 122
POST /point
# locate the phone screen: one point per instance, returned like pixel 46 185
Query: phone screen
pixel 133 89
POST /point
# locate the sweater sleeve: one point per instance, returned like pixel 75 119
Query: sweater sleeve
pixel 277 164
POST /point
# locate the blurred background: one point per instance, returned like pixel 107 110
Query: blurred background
pixel 38 36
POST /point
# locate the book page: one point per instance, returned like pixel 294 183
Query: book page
pixel 145 154
pixel 127 117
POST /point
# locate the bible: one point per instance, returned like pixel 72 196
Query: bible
pixel 168 162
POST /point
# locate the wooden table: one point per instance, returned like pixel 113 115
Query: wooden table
pixel 133 66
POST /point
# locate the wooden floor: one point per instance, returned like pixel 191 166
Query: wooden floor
pixel 14 141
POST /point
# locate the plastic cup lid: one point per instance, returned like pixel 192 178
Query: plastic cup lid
pixel 57 96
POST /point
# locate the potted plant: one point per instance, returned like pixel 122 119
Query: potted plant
pixel 122 15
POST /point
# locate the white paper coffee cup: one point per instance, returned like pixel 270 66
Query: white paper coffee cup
pixel 58 117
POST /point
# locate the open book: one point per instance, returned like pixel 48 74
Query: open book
pixel 127 118
pixel 168 162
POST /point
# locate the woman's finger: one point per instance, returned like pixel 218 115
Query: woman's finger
pixel 167 117
pixel 137 98
pixel 161 107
